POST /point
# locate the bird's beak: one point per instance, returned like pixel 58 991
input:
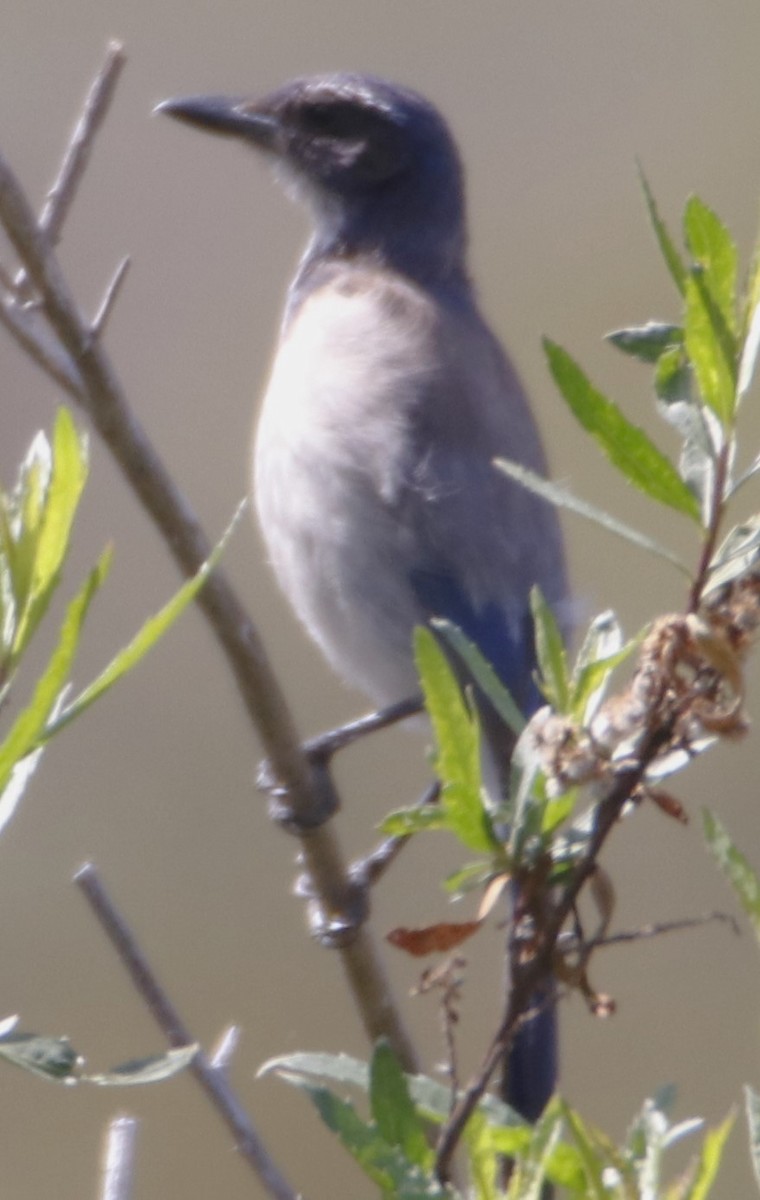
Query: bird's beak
pixel 224 114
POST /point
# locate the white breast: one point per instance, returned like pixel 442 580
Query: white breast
pixel 330 453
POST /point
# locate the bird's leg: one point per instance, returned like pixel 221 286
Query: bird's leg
pixel 366 871
pixel 319 752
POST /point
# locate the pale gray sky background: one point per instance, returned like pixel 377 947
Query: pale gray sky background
pixel 552 104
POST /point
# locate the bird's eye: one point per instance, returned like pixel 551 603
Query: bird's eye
pixel 335 120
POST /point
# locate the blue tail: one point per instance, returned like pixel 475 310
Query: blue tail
pixel 531 1069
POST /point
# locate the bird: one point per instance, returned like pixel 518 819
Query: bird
pixel 388 400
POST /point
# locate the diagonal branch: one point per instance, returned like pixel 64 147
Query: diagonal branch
pixel 94 384
pixel 213 1080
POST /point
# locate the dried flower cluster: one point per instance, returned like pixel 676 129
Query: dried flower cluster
pixel 687 691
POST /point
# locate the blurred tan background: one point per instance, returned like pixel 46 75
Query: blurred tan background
pixel 552 103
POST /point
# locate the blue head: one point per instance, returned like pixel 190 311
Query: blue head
pixel 375 163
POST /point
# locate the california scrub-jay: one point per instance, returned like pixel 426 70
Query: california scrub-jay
pixel 388 401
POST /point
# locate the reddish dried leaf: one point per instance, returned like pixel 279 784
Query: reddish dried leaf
pixel 433 939
pixel 668 804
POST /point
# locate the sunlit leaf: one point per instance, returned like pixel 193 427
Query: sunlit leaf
pixel 710 1156
pixel 714 252
pixel 392 1107
pixel 551 653
pixel 50 1057
pixel 626 445
pixel 146 1070
pixel 482 673
pixel 457 736
pixel 710 349
pixel 669 252
pixel 146 637
pixel 752 1101
pixel 27 730
pixel 646 342
pixel 561 497
pixel 68 475
pixel 432 939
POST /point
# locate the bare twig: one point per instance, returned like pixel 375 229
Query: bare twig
pixel 213 1081
pixel 109 297
pixel 119 1159
pixel 95 385
pixel 61 194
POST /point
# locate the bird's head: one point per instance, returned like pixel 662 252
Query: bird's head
pixel 375 162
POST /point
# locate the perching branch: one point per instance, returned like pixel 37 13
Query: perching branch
pixel 212 1079
pixel 66 345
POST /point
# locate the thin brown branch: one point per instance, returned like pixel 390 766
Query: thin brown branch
pixel 59 199
pixel 26 327
pixel 119 1159
pixel 100 319
pixel 213 1081
pixel 99 392
pixel 528 977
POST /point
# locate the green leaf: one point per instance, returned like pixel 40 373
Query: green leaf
pixel 50 1057
pixel 750 331
pixel 53 524
pixel 668 250
pixel 550 653
pixel 457 735
pixel 555 494
pixel 146 637
pixel 29 727
pixel 432 1098
pixel 393 1110
pixel 625 444
pixel 709 1161
pixel 711 350
pixel 736 557
pixel 385 1165
pixel 701 433
pixel 752 1101
pixel 714 253
pixel 593 1159
pixel 602 650
pixel 646 342
pixel 734 866
pixel 482 673
pixel 530 1172
pixel 146 1070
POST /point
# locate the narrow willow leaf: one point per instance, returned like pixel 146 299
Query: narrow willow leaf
pixel 431 1097
pixel 482 673
pixel 710 349
pixel 673 259
pixel 737 556
pixel 145 638
pixel 742 877
pixel 603 642
pixel 63 493
pixel 561 497
pixel 750 325
pixel 700 431
pixel 392 1107
pixel 146 1070
pixel 14 789
pixel 590 1151
pixel 550 652
pixel 714 252
pixel 646 342
pixel 27 730
pixel 752 1101
pixel 51 1057
pixel 750 473
pixel 626 445
pixel 710 1157
pixel 457 736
